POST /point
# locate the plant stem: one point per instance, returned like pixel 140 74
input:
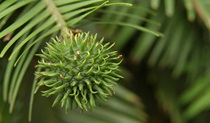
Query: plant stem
pixel 56 14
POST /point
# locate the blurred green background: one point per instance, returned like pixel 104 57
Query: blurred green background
pixel 165 46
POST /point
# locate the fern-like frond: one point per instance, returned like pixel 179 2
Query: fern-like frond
pixel 193 8
pixel 185 53
pixel 164 51
pixel 37 21
pixel 26 25
pixel 119 24
pixel 196 96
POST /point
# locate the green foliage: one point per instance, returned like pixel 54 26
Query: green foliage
pixel 165 52
pixel 27 25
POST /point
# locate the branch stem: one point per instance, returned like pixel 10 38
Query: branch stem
pixel 56 14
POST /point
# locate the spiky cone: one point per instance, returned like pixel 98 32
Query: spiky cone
pixel 78 70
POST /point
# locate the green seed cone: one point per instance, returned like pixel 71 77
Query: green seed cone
pixel 78 70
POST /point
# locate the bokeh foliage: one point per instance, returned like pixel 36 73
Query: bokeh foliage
pixel 165 47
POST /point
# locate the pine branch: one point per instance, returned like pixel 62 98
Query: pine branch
pixel 56 14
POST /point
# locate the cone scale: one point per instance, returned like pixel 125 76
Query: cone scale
pixel 78 71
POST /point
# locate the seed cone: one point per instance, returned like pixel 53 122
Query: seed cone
pixel 78 70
